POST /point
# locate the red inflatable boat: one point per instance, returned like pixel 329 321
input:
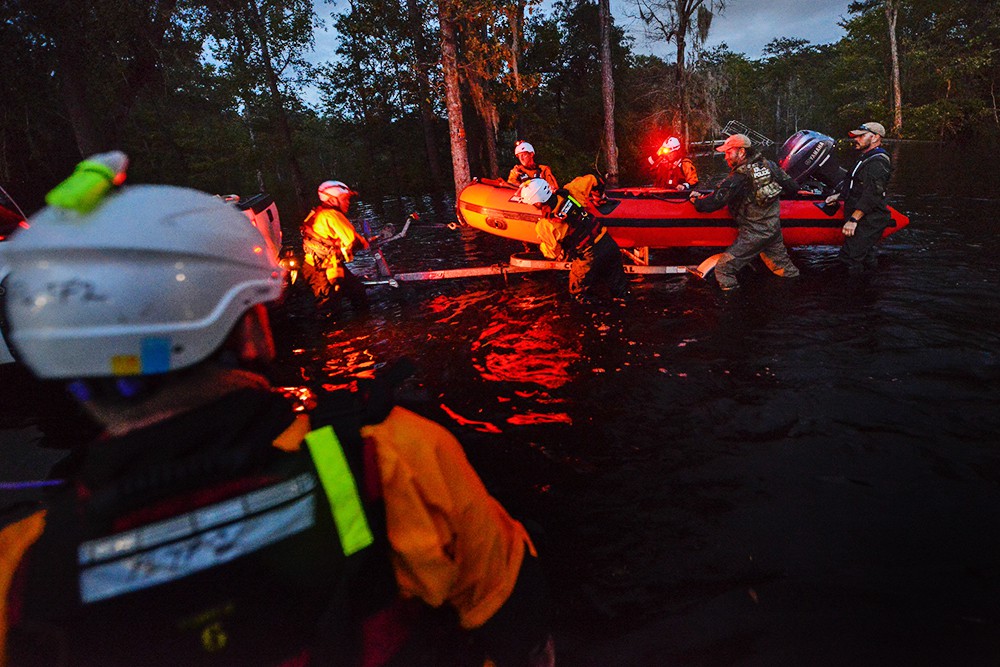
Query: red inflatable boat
pixel 646 217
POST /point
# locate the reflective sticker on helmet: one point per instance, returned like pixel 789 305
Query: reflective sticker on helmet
pixel 155 355
pixel 125 364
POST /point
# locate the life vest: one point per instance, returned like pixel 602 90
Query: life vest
pixel 524 173
pixel 671 175
pixel 235 553
pixel 584 228
pixel 877 154
pixel 763 188
pixel 320 247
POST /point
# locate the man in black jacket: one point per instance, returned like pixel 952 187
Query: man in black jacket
pixel 866 214
pixel 751 191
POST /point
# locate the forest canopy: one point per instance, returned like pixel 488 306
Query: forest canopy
pixel 221 95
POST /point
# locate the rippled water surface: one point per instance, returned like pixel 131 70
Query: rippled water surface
pixel 694 457
pixel 625 430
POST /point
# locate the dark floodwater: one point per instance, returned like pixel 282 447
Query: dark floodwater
pixel 767 478
pixel 625 430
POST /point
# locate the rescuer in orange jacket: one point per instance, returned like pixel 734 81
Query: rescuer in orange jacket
pixel 527 168
pixel 213 523
pixel 674 170
pixel 328 242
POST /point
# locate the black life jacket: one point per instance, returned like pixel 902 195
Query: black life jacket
pixel 876 154
pixel 196 542
pixel 584 228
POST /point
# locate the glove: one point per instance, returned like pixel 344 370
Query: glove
pixel 849 228
pixel 832 198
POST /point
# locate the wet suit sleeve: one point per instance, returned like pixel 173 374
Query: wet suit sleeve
pixel 722 195
pixel 15 540
pixel 451 541
pixel 874 182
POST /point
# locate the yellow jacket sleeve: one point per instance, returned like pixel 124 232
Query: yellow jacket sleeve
pixel 581 186
pixel 550 231
pixel 15 540
pixel 451 541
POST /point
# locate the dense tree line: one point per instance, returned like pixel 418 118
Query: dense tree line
pixel 219 95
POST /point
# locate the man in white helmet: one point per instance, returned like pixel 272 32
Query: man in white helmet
pixel 674 170
pixel 566 230
pixel 328 242
pixel 215 521
pixel 527 168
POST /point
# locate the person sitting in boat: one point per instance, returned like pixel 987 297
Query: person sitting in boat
pixel 674 170
pixel 217 521
pixel 751 191
pixel 527 168
pixel 329 241
pixel 567 231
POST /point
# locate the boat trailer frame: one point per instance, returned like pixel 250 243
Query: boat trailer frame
pixel 521 262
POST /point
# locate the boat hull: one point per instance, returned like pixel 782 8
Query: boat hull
pixel 653 218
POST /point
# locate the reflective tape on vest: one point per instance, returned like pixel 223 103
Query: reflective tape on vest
pixel 341 491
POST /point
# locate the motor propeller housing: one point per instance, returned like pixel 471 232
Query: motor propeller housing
pixel 808 155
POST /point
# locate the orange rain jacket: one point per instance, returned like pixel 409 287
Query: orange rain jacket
pixel 451 542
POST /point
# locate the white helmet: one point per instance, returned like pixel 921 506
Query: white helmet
pixel 152 280
pixel 669 146
pixel 330 190
pixel 535 191
pixel 523 147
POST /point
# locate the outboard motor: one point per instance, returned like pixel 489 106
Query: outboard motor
pixel 809 155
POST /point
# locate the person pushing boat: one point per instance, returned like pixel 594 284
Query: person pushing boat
pixel 567 231
pixel 751 191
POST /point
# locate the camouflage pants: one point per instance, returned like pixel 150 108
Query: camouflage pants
pixel 749 244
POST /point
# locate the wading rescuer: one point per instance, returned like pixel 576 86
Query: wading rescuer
pixel 567 231
pixel 527 168
pixel 751 191
pixel 674 170
pixel 213 523
pixel 328 242
pixel 866 213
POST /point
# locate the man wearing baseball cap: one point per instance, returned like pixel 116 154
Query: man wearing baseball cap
pixel 751 191
pixel 866 214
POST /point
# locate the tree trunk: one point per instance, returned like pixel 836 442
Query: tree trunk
pixel 891 14
pixel 281 116
pixel 608 93
pixel 681 79
pixel 517 27
pixel 453 100
pixel 427 117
